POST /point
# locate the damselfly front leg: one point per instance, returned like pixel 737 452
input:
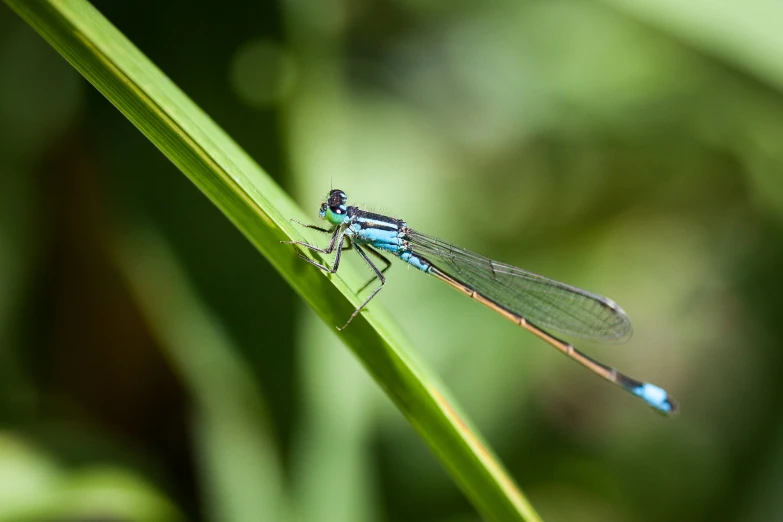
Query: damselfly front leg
pixel 337 238
pixel 319 229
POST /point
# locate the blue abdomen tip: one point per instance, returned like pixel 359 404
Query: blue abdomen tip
pixel 655 397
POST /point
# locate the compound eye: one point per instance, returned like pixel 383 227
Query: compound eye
pixel 337 209
pixel 337 198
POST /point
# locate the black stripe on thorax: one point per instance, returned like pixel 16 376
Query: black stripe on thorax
pixel 377 221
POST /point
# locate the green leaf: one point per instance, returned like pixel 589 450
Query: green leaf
pixel 261 210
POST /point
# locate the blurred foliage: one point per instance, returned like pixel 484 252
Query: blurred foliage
pixel 260 210
pixel 631 148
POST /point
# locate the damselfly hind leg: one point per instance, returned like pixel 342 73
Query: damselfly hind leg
pixel 369 250
pixel 378 274
pixel 380 256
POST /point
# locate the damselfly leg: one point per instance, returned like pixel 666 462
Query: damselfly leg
pixel 337 245
pixel 337 238
pixel 378 274
pixel 380 256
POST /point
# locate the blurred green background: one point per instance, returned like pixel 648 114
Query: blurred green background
pixel 154 367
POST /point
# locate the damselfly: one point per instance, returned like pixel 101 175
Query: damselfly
pixel 530 300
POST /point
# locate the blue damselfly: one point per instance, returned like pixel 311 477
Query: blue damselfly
pixel 530 300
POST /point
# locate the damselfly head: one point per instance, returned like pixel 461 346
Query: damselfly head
pixel 336 198
pixel 334 209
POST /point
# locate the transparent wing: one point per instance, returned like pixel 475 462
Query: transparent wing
pixel 544 302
